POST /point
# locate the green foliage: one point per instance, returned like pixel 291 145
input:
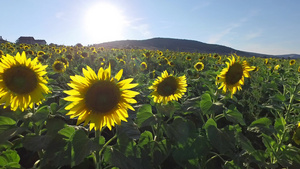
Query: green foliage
pixel 205 128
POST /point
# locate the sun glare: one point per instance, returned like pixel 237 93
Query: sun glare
pixel 104 22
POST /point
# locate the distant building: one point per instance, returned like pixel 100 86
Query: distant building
pixel 40 42
pixel 30 40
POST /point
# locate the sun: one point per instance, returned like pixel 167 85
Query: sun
pixel 104 22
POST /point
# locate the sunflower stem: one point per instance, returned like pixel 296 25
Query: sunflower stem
pixel 96 157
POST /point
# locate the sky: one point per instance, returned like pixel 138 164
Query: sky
pixel 260 26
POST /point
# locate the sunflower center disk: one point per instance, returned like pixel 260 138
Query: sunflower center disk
pixel 167 87
pixel 198 66
pixel 20 80
pixel 234 74
pixel 102 96
pixel 59 66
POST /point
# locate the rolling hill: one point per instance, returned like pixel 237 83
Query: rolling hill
pixel 183 45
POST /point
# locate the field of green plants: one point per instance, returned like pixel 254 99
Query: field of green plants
pixel 146 109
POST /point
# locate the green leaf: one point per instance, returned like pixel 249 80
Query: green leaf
pixel 192 149
pixel 221 140
pixel 180 129
pixel 6 121
pixel 53 107
pixel 280 125
pixel 8 129
pixel 82 147
pixel 67 131
pixel 161 151
pixel 129 128
pixel 53 125
pixel 280 97
pixel 40 115
pixel 36 143
pixel 9 159
pixel 145 138
pixel 263 125
pixel 264 121
pixel 234 115
pixel 206 103
pixel 144 116
pixel 210 122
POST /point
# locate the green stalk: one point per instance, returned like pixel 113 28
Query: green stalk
pixel 97 154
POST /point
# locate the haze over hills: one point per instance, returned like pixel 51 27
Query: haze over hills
pixel 184 45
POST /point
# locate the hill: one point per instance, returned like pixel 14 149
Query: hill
pixel 183 45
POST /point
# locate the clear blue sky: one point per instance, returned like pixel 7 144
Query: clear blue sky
pixel 262 26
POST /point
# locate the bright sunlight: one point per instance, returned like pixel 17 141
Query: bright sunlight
pixel 104 22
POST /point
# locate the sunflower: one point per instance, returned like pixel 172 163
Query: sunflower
pixel 84 55
pixel 29 52
pixel 168 87
pixel 232 77
pixel 160 53
pixel 188 57
pixel 64 50
pixel 163 61
pixel 199 66
pixel 215 56
pixel 276 67
pixel 172 64
pixel 40 53
pixel 70 57
pixel 1 53
pixel 21 81
pixel 292 62
pixel 122 62
pixel 299 69
pixel 266 61
pixel 59 66
pixel 201 57
pixel 296 135
pixel 99 98
pixel 64 60
pixel 143 66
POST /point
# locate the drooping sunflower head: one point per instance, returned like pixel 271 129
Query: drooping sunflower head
pixel 232 77
pixel 22 82
pixel 168 87
pixel 84 55
pixel 143 66
pixel 40 53
pixel 122 62
pixel 69 56
pixel 201 57
pixel 29 52
pixel 256 68
pixel 59 66
pixel 188 57
pixel 199 66
pixel 171 63
pixel 100 99
pixel 163 61
pixel 266 61
pixel 292 62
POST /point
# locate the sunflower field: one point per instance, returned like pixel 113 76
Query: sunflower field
pixel 84 107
